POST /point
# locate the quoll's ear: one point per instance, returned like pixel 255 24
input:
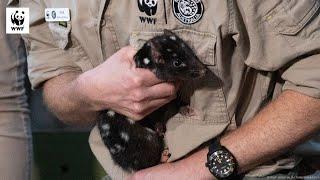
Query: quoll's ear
pixel 143 58
pixel 169 33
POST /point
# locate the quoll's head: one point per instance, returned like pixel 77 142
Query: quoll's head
pixel 170 58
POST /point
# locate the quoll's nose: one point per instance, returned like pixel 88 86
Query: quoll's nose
pixel 194 74
pixel 198 74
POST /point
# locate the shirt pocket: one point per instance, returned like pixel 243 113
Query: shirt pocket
pixel 207 103
pixel 203 43
pixel 295 18
pixel 286 33
pixel 60 33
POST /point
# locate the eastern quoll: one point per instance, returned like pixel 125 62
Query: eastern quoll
pixel 138 145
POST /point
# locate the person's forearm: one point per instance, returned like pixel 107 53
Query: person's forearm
pixel 62 96
pixel 283 124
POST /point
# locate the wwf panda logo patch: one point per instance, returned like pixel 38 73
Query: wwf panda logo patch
pixel 17 18
pixel 188 11
pixel 148 6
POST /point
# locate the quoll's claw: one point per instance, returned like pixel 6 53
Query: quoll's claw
pixel 165 156
pixel 161 135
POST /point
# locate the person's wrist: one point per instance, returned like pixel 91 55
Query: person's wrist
pixel 85 92
pixel 196 164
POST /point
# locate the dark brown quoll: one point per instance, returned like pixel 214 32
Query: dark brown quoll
pixel 138 145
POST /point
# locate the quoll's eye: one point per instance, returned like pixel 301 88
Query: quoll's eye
pixel 178 63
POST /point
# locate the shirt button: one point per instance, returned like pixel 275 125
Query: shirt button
pixel 103 23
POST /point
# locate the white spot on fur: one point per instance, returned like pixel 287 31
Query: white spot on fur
pixel 112 150
pixel 105 130
pixel 131 121
pixel 173 38
pixel 150 134
pixel 106 127
pixel 124 136
pixel 111 113
pixel 149 137
pixel 169 50
pixel 150 130
pixel 118 148
pixel 104 134
pixel 146 61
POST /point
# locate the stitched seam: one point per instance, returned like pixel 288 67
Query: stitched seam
pixel 231 16
pixel 110 25
pixel 297 27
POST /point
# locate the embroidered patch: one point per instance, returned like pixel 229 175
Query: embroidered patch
pixel 188 11
pixel 148 6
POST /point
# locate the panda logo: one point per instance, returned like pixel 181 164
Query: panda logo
pixel 148 6
pixel 17 18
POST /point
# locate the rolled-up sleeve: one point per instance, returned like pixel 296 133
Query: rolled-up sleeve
pixel 304 76
pixel 50 51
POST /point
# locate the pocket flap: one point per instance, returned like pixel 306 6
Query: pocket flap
pixel 291 16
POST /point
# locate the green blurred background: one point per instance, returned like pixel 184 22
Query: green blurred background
pixel 60 152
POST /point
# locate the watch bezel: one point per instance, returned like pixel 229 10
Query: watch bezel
pixel 212 158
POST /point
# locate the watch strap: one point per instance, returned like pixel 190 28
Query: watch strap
pixel 214 145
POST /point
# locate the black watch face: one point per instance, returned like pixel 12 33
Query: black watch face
pixel 221 164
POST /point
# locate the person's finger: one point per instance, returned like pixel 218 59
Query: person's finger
pixel 161 90
pixel 138 111
pixel 128 113
pixel 129 52
pixel 149 106
pixel 148 78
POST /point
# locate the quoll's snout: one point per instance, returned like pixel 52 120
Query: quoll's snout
pixel 198 73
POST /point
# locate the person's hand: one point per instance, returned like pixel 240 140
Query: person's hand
pixel 118 85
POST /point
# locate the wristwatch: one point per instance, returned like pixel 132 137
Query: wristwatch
pixel 221 162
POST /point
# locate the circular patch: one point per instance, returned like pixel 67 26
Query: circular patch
pixel 188 11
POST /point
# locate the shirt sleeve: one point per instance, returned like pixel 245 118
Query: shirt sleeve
pixel 304 76
pixel 285 36
pixel 49 48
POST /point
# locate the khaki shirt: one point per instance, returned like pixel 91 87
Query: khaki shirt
pixel 254 48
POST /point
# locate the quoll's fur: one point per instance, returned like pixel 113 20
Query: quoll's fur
pixel 138 145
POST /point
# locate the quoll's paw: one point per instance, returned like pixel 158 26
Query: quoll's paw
pixel 165 155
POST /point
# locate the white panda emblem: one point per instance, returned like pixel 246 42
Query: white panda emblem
pixel 148 6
